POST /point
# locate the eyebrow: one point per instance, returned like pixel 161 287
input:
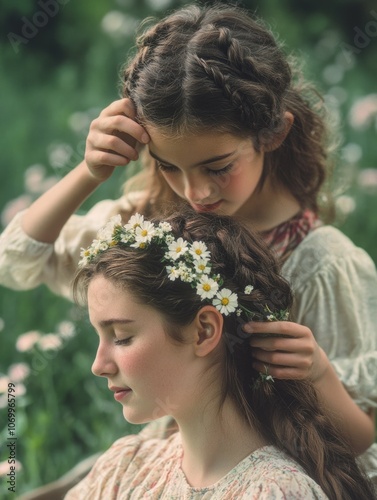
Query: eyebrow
pixel 108 322
pixel 204 162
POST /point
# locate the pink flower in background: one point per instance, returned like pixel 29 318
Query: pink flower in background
pixel 13 207
pixel 18 372
pixel 4 467
pixel 4 381
pixel 50 342
pixel 367 180
pixel 26 341
pixel 20 390
pixel 363 111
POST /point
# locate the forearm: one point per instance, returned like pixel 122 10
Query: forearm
pixel 46 217
pixel 357 425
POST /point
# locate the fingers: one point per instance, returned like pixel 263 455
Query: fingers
pixel 113 138
pixel 286 328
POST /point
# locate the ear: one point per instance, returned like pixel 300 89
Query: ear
pixel 208 330
pixel 278 139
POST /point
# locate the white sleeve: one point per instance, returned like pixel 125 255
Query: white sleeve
pixel 335 287
pixel 26 263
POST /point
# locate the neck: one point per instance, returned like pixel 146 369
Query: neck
pixel 214 443
pixel 269 207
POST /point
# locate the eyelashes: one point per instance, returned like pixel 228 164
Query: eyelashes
pixel 126 341
pixel 172 169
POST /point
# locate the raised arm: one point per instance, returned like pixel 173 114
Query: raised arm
pixel 111 142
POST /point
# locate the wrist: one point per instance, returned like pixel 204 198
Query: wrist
pixel 87 175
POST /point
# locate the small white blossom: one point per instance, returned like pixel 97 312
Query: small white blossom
pixel 165 227
pixel 239 312
pixel 173 272
pixel 225 301
pixel 207 287
pixel 106 233
pixel 248 289
pixel 177 248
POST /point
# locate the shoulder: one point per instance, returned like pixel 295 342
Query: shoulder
pixel 273 475
pixel 130 459
pixel 325 250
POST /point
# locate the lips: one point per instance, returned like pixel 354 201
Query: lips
pixel 120 392
pixel 206 208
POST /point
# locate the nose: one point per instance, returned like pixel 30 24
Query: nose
pixel 103 364
pixel 197 189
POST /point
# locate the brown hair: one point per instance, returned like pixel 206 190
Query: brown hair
pixel 216 68
pixel 287 413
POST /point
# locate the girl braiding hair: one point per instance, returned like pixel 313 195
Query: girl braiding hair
pixel 286 413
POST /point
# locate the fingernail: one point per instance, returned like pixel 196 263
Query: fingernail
pixel 248 328
pixel 145 138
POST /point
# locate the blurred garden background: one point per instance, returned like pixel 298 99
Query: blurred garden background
pixel 60 61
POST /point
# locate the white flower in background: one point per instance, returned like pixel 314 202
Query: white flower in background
pixel 177 248
pixel 199 250
pixel 106 233
pixel 50 342
pixel 19 390
pixel 79 122
pixel 352 153
pixel 345 204
pixel 207 287
pixel 119 25
pixel 66 329
pixel 26 341
pixel 248 289
pixel 225 301
pixel 18 372
pixel 33 178
pixel 59 154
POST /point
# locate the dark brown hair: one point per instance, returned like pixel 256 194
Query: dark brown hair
pixel 287 413
pixel 218 69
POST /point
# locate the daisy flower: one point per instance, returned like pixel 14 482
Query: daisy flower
pixel 248 289
pixel 225 301
pixel 199 250
pixel 207 287
pixel 144 232
pixel 173 272
pixel 201 266
pixel 135 221
pixel 177 248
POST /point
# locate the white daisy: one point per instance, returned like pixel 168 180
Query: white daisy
pixel 201 266
pixel 135 221
pixel 177 248
pixel 199 250
pixel 106 233
pixel 248 289
pixel 207 287
pixel 173 272
pixel 225 301
pixel 144 232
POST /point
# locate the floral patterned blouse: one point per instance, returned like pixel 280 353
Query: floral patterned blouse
pixel 135 468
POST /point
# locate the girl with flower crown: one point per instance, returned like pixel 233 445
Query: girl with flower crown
pixel 226 126
pixel 168 300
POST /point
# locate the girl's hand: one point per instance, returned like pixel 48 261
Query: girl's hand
pixel 113 138
pixel 289 352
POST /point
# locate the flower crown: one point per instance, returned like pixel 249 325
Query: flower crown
pixel 189 262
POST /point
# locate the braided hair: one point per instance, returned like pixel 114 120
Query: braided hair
pixel 216 68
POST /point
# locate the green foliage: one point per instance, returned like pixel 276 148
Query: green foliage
pixel 52 84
